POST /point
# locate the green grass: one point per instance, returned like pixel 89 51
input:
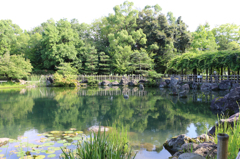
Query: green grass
pixel 234 140
pixel 106 145
pixel 11 84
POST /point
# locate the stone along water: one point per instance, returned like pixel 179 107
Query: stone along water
pixel 151 115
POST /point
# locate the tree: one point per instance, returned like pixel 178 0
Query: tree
pixel 104 64
pixel 141 62
pixel 66 69
pixel 14 66
pixel 203 39
pixel 9 33
pixel 91 60
pixel 59 44
pixel 225 34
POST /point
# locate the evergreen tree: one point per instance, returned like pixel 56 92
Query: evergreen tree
pixel 104 64
pixel 91 60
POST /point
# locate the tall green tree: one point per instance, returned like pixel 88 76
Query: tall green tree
pixel 59 42
pixel 225 34
pixel 91 60
pixel 104 64
pixel 141 62
pixel 203 39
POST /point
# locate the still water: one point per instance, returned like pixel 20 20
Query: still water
pixel 151 115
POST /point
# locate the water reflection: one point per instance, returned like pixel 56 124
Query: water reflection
pixel 152 114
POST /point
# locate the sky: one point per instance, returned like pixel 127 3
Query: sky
pixel 31 13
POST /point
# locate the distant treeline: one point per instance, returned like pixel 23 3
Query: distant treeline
pixel 125 42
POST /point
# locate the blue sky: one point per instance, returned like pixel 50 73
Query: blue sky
pixel 31 13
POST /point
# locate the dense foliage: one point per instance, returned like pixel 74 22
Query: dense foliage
pixel 124 42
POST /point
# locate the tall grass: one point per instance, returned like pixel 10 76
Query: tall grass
pixel 33 78
pixel 234 139
pixel 110 145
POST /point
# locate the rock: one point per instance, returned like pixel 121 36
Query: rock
pixel 230 123
pixel 228 103
pixel 50 79
pixel 190 156
pixel 97 128
pixel 115 83
pixel 183 94
pixel 84 81
pixel 141 86
pixel 224 85
pixel 182 143
pixel 105 83
pixel 124 81
pixel 133 83
pixel 23 91
pixel 195 85
pixel 22 82
pixel 126 96
pixel 3 141
pixel 214 86
pixel 173 82
pixel 31 86
pixel 206 87
pixel 163 85
pixel 100 83
pixel 235 85
pixel 185 87
pixel 174 144
pixel 48 83
pixel 167 82
pixel 174 92
pixel 178 86
pixel 143 81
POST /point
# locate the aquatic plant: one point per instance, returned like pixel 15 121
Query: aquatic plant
pixel 113 145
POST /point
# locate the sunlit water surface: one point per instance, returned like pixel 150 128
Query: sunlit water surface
pixel 151 115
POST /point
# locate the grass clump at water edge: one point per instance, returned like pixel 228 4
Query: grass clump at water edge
pixel 103 145
pixel 234 139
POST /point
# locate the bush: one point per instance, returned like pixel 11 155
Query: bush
pixel 92 81
pixel 65 81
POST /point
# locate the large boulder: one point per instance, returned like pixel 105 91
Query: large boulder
pixel 214 86
pixel 167 81
pixel 202 145
pixel 195 85
pixel 173 82
pixel 229 122
pixel 206 87
pixel 235 85
pixel 224 85
pixel 124 81
pixel 163 85
pixel 228 103
pixel 133 83
pixel 105 83
pixel 115 83
pixel 185 87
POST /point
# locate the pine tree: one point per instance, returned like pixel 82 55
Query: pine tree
pixel 91 60
pixel 104 64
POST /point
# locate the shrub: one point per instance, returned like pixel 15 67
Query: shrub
pixel 63 81
pixel 92 81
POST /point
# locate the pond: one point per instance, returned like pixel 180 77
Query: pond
pixel 151 115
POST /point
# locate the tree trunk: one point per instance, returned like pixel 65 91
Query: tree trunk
pixel 221 71
pixel 206 71
pixel 228 71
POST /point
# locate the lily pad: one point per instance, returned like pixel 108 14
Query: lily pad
pixel 67 144
pixel 27 157
pixel 79 132
pixel 55 132
pixel 72 129
pixel 39 134
pixel 76 138
pixel 51 156
pixel 61 141
pixel 1 155
pixel 48 144
pixel 66 136
pixel 40 157
pixel 51 137
pixel 68 132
